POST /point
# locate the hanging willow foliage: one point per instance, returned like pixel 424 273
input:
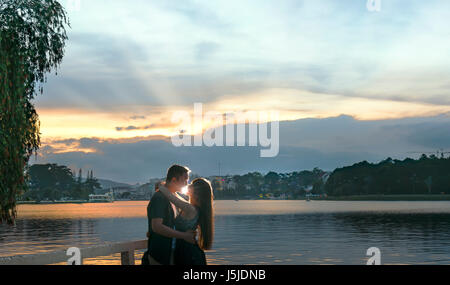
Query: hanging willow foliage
pixel 32 41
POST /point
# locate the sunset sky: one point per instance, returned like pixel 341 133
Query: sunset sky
pixel 130 64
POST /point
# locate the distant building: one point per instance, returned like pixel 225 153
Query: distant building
pixel 121 190
pixel 230 184
pixel 108 197
pixel 144 192
pixel 217 182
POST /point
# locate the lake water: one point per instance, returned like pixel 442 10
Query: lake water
pixel 252 232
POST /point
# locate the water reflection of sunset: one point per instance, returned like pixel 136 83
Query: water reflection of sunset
pixel 138 209
pixel 247 232
pixel 125 209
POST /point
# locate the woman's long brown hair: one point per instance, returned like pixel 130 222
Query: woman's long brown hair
pixel 204 195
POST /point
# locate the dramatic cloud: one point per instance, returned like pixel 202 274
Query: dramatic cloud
pixel 146 127
pixel 181 52
pixel 130 64
pixel 137 117
pixel 304 144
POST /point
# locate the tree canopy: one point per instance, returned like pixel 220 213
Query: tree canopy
pixel 32 42
pixel 55 182
pixel 428 175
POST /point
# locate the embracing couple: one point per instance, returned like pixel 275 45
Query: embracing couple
pixel 174 222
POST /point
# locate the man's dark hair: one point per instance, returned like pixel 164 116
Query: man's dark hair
pixel 176 171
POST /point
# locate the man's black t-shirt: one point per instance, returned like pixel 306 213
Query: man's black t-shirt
pixel 160 247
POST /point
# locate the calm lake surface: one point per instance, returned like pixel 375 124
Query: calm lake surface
pixel 252 232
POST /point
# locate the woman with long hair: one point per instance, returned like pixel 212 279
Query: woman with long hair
pixel 195 214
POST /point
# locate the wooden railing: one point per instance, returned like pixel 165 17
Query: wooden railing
pixel 126 250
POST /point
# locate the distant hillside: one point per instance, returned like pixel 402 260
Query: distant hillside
pixel 106 184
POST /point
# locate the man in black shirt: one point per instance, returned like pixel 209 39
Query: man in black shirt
pixel 161 219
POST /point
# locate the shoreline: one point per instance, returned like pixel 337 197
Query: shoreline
pixel 411 198
pixel 418 197
pixel 56 202
pixel 375 197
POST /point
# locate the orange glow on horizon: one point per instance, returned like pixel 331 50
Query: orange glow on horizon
pixel 149 122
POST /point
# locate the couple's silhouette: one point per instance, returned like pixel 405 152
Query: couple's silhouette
pixel 174 223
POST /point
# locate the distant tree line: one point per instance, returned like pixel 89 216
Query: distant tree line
pixel 55 182
pixel 427 175
pixel 255 184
